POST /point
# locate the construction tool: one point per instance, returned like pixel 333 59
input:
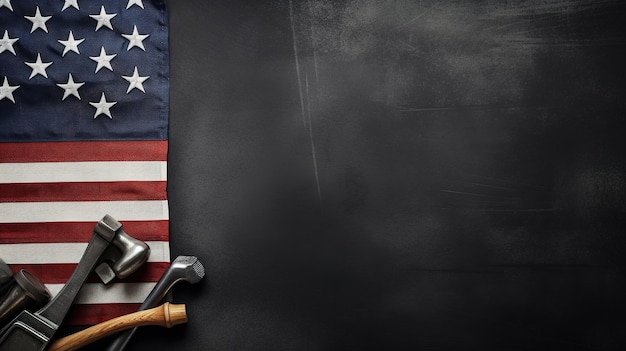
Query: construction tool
pixel 33 331
pixel 25 292
pixel 183 268
pixel 166 315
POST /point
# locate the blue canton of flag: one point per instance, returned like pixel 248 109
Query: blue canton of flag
pixel 86 69
pixel 83 133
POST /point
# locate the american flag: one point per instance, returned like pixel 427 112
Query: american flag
pixel 83 133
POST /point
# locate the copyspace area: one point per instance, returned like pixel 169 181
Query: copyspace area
pixel 393 175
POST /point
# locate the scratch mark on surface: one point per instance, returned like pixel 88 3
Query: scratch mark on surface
pixel 506 182
pixel 305 111
pixel 317 178
pixel 546 8
pixel 408 45
pixel 512 210
pixel 317 78
pixel 468 108
pixel 512 23
pixel 507 188
pixel 314 46
pixel 418 16
pixel 552 266
pixel 475 194
pixel 295 53
pixel 456 271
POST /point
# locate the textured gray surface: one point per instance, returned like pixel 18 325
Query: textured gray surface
pixel 398 174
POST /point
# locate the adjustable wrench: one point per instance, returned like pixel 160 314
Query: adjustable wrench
pixel 33 331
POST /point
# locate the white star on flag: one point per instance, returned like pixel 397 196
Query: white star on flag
pixel 135 81
pixel 103 60
pixel 6 90
pixel 39 21
pixel 103 18
pixel 134 2
pixel 70 44
pixel 6 43
pixel 135 39
pixel 68 3
pixel 38 67
pixel 71 87
pixel 6 3
pixel 102 107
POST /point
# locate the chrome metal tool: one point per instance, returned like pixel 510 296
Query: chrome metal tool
pixel 25 292
pixel 184 268
pixel 33 331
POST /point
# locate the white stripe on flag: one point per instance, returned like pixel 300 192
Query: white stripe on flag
pixel 52 253
pixel 48 172
pixel 82 211
pixel 119 292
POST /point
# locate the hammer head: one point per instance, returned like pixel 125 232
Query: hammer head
pixel 122 258
pixel 190 266
pixel 27 292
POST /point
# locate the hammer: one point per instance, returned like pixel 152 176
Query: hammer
pixel 25 292
pixel 166 315
pixel 33 331
pixel 183 268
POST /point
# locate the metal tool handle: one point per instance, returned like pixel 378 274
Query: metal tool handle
pixel 33 331
pixel 166 315
pixel 184 268
pixel 56 310
pixel 156 295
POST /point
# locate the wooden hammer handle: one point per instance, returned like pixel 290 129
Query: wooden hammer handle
pixel 166 315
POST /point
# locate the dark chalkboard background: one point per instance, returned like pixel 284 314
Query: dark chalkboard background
pixel 423 175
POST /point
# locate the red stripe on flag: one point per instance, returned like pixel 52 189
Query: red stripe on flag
pixel 60 273
pixel 68 232
pixel 94 314
pixel 74 151
pixel 85 191
pixel 60 232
